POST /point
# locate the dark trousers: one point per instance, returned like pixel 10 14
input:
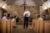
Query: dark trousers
pixel 25 22
pixel 25 25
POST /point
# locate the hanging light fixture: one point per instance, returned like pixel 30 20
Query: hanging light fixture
pixel 46 5
pixel 3 5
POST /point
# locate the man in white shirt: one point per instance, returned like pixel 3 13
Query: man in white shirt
pixel 26 17
pixel 27 12
pixel 40 18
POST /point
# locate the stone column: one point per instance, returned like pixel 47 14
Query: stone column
pixel 0 13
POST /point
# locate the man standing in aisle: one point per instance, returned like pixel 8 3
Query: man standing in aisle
pixel 26 17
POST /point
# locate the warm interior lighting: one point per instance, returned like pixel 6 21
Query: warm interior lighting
pixel 46 5
pixel 3 5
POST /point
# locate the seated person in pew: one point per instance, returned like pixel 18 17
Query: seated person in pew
pixel 45 17
pixel 40 18
pixel 6 16
pixel 17 19
pixel 13 20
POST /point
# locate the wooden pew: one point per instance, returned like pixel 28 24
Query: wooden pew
pixel 0 26
pixel 3 26
pixel 47 26
pixel 13 23
pixel 37 26
pixel 7 26
pixel 41 26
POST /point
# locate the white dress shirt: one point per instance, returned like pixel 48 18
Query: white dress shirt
pixel 27 12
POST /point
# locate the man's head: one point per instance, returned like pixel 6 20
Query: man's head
pixel 38 16
pixel 5 14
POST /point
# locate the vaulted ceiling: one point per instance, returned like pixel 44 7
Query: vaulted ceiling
pixel 38 2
